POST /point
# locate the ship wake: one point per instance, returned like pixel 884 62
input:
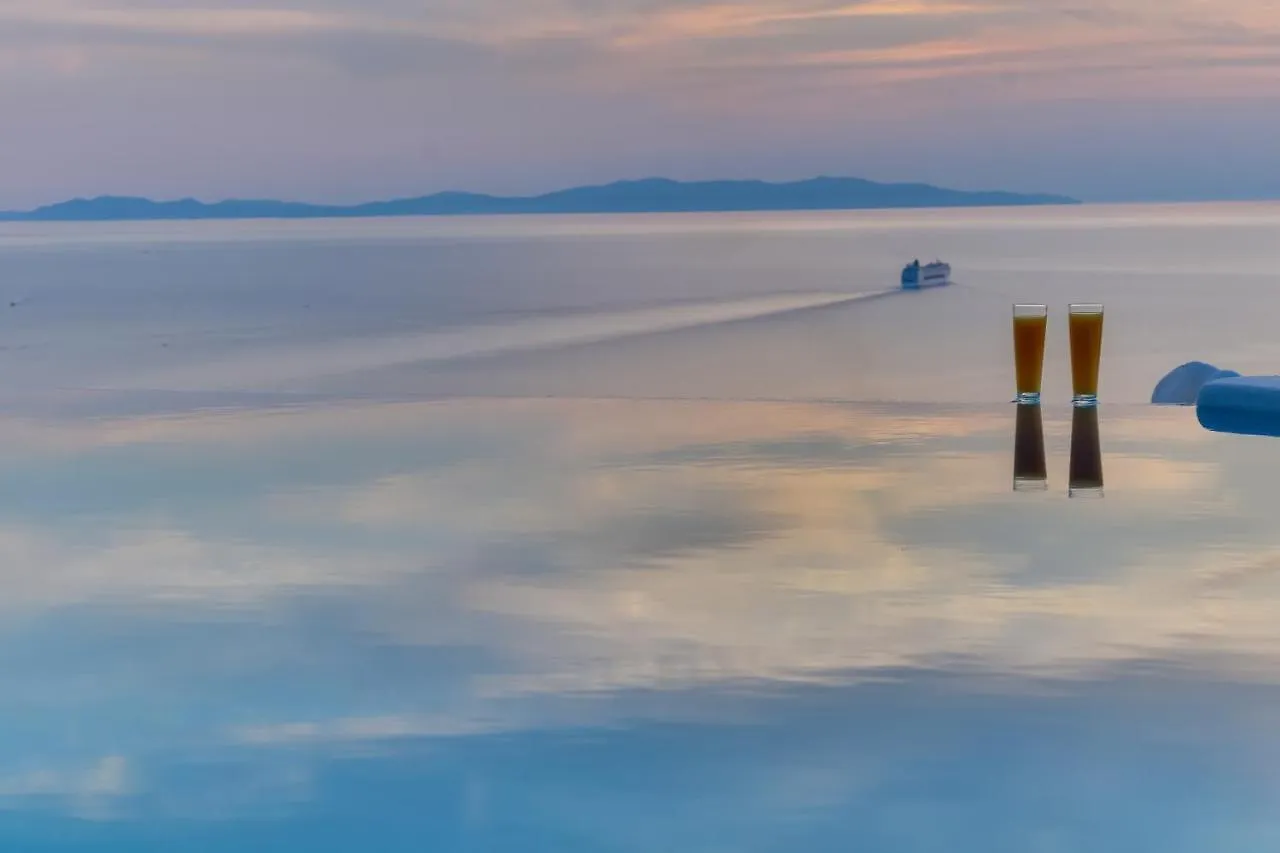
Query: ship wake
pixel 278 368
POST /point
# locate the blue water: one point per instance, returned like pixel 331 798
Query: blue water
pixel 634 534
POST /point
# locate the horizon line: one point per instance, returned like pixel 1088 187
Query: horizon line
pixel 647 179
pixel 638 195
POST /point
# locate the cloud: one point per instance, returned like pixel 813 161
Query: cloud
pixel 166 567
pixel 599 562
pixel 109 777
pixel 826 564
pixel 356 729
pixel 490 35
pixel 358 44
pixel 725 21
pixel 182 22
pixel 89 793
pixel 388 97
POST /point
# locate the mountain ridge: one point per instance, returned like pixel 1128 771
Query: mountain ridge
pixel 647 195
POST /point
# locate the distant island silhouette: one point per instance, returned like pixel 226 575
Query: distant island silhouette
pixel 653 195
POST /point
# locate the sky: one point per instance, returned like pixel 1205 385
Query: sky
pixel 347 100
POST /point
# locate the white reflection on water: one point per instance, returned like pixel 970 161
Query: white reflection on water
pixel 212 615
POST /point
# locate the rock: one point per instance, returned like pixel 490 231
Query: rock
pixel 1181 387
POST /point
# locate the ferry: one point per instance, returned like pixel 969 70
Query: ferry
pixel 936 274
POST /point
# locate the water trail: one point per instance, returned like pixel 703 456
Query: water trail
pixel 276 367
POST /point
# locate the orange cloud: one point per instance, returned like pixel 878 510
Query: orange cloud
pixel 796 43
pixel 245 22
pixel 729 19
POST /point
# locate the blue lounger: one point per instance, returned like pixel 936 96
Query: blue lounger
pixel 1249 405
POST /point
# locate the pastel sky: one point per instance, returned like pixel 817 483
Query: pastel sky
pixel 344 100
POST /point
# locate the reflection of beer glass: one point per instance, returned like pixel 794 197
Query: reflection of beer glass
pixel 1085 325
pixel 1086 454
pixel 1030 474
pixel 1029 322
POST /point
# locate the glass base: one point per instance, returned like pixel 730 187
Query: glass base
pixel 1029 399
pixel 1086 493
pixel 1085 401
pixel 1020 485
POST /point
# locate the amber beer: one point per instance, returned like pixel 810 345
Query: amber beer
pixel 1085 325
pixel 1085 479
pixel 1030 473
pixel 1029 324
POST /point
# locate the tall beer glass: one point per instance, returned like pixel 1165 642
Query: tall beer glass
pixel 1029 324
pixel 1085 325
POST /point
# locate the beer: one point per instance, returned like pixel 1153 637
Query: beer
pixel 1030 473
pixel 1029 324
pixel 1085 326
pixel 1086 454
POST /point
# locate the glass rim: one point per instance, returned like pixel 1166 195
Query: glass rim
pixel 1085 307
pixel 1026 306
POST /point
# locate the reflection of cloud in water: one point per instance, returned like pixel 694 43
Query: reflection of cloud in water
pixel 88 793
pixel 453 570
pixel 806 539
pixel 159 566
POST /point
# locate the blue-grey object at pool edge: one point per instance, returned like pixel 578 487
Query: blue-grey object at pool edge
pixel 1246 405
pixel 1181 387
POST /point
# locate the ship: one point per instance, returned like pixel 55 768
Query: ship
pixel 936 274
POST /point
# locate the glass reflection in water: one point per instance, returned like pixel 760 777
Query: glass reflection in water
pixel 1086 454
pixel 1030 473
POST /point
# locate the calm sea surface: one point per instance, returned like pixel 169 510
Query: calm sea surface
pixel 660 533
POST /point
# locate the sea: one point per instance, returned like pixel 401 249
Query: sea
pixel 631 533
